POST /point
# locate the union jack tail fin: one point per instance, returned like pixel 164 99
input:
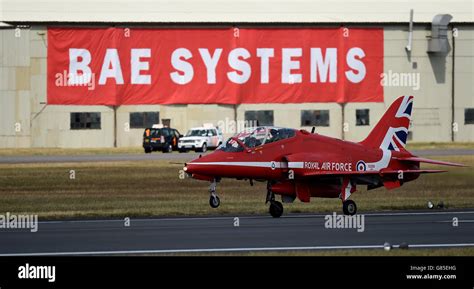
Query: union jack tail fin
pixel 391 132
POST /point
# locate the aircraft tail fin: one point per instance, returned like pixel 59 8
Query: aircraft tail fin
pixel 391 132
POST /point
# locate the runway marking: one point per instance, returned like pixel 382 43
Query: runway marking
pixel 250 217
pixel 217 250
pixel 421 213
pixel 459 221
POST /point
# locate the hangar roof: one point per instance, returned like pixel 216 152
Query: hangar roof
pixel 233 11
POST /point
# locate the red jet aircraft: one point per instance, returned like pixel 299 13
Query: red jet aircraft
pixel 300 164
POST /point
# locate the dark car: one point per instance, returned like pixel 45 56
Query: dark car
pixel 164 139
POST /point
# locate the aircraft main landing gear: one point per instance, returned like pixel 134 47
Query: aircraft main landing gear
pixel 276 208
pixel 349 207
pixel 214 200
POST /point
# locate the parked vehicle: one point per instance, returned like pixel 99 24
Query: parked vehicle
pixel 200 139
pixel 160 138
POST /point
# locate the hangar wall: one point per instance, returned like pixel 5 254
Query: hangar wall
pixel 230 11
pixel 464 82
pixel 26 120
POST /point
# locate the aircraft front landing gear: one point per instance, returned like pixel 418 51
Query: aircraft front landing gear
pixel 276 209
pixel 349 207
pixel 214 200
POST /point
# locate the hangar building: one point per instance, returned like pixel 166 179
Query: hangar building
pixel 430 57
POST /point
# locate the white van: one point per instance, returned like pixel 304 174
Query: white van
pixel 200 139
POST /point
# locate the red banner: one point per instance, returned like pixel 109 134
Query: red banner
pixel 118 66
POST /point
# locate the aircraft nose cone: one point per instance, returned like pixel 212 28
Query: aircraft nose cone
pixel 190 168
pixel 201 166
pixel 186 168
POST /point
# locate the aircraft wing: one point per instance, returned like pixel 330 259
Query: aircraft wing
pixel 358 173
pixel 390 183
pixel 428 161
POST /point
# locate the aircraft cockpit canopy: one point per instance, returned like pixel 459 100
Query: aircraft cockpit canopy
pixel 256 136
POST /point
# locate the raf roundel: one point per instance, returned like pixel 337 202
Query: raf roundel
pixel 273 165
pixel 361 166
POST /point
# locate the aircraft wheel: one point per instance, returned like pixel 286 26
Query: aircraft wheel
pixel 214 202
pixel 276 209
pixel 349 207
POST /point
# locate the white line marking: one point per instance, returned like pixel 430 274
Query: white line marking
pixel 250 217
pixel 420 213
pixel 235 250
pixel 459 221
pixel 143 220
pixel 240 164
pixel 439 245
pixel 295 165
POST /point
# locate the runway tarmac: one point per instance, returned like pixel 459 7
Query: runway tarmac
pixel 171 157
pixel 427 229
